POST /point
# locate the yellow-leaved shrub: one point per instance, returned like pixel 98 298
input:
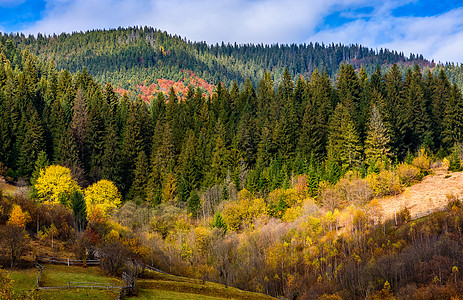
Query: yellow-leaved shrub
pixel 384 183
pixel 407 173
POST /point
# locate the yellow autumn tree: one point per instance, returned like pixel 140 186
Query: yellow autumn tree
pixel 18 217
pixel 104 196
pixel 55 184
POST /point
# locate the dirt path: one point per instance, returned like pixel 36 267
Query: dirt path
pixel 428 195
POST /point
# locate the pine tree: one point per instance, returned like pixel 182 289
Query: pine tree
pixel 79 123
pixel 312 140
pixel 188 167
pixel 194 203
pixel 377 141
pixel 95 134
pixel 265 97
pixel 40 164
pixel 32 145
pixel 110 161
pixel 68 156
pixel 286 87
pixel 79 209
pixel 285 132
pixel 440 96
pixel 248 138
pixel 137 190
pixel 348 88
pixel 393 109
pixel 343 143
pixel 66 94
pixel 219 161
pixel 162 162
pixel 6 135
pixel 111 98
pixel 132 145
pixel 453 119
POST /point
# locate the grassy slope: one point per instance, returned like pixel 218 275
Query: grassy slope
pixel 163 286
pixel 428 195
pixel 55 275
pixel 155 286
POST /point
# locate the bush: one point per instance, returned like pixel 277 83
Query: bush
pixel 455 160
pixel 385 183
pixel 407 173
pixel 422 161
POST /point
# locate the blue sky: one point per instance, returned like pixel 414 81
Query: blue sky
pixel 431 28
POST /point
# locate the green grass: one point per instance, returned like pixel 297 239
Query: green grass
pixel 78 294
pixel 24 280
pixel 58 275
pixel 153 286
pixel 170 295
pixel 163 286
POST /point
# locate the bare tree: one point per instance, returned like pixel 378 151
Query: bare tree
pixel 15 241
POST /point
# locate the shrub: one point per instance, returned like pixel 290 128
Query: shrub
pixel 422 161
pixel 384 183
pixel 407 173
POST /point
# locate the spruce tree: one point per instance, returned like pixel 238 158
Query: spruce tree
pixel 110 161
pixel 137 190
pixel 79 123
pixel 453 119
pixel 79 210
pixel 40 164
pixel 377 141
pixel 343 143
pixel 393 108
pixel 32 145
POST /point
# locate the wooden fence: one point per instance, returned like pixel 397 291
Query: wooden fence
pixel 83 285
pixel 90 285
pixel 40 267
pixel 67 261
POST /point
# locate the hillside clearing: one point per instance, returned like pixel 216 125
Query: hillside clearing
pixel 429 195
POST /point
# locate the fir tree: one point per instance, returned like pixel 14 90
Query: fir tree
pixel 40 164
pixel 453 119
pixel 79 122
pixel 343 142
pixel 377 141
pixel 137 190
pixel 33 144
pixel 110 161
pixel 79 209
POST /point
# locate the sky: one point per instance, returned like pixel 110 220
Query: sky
pixel 432 28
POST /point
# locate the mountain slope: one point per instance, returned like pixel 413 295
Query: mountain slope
pixel 133 56
pixel 431 194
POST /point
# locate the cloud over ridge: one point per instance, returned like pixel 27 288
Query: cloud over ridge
pixel 373 23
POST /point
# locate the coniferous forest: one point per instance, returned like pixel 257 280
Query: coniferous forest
pixel 264 182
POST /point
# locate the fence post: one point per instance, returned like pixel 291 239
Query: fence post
pixel 68 262
pixel 69 285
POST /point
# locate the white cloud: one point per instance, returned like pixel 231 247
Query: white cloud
pixel 243 21
pixel 438 37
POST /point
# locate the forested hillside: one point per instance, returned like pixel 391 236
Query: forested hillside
pixel 268 187
pixel 138 56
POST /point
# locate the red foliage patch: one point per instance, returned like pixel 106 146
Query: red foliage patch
pixel 162 85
